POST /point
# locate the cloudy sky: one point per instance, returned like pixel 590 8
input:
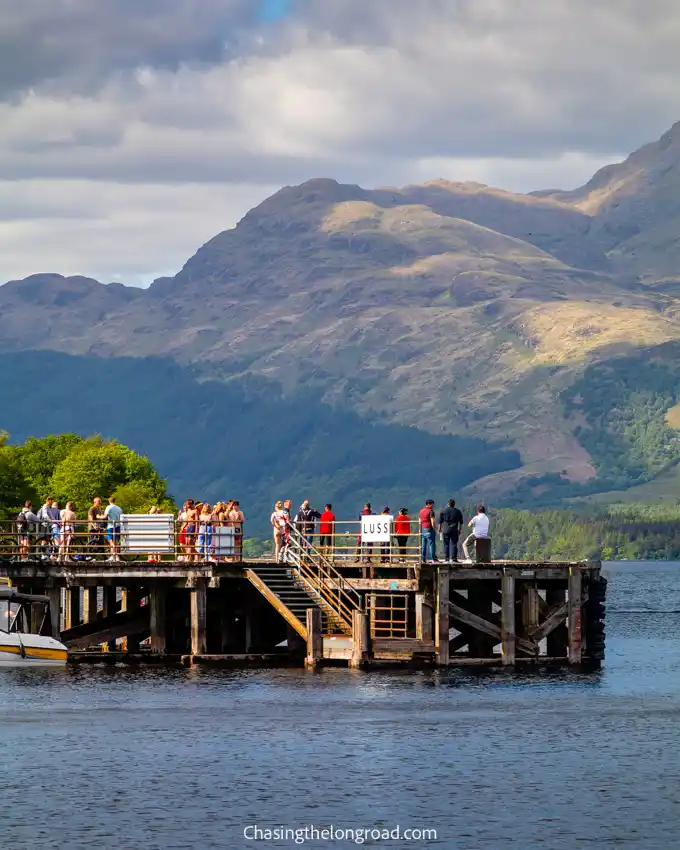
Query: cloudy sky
pixel 131 131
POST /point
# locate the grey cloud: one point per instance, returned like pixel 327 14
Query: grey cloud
pixel 74 44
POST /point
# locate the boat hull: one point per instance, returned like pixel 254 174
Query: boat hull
pixel 47 653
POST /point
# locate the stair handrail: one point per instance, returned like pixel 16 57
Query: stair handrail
pixel 335 590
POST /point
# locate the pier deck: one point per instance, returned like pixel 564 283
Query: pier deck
pixel 312 612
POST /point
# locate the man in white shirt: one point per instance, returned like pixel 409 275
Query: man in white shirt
pixel 480 528
pixel 113 514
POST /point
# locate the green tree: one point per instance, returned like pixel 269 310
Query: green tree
pixel 100 470
pixel 136 497
pixel 14 488
pixel 39 458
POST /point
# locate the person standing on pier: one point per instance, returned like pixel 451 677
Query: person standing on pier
pixel 365 550
pixel 402 531
pixel 480 529
pixel 450 527
pixel 327 531
pixel 113 513
pixel 279 521
pixel 305 520
pixel 26 522
pixel 96 527
pixel 427 534
pixel 68 519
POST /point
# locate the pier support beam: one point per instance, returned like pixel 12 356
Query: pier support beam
pixel 54 594
pixel 574 615
pixel 199 607
pixel 557 638
pixel 157 616
pixel 530 602
pixel 130 601
pixel 110 607
pixel 72 608
pixel 89 604
pixel 441 622
pixel 314 638
pixel 361 639
pixel 508 633
pixel 424 625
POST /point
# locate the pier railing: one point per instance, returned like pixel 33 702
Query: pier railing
pixel 157 537
pixel 151 537
pixel 331 589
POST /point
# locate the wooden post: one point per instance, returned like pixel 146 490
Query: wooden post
pixel 508 635
pixel 424 625
pixel 72 608
pixel 54 594
pixel 530 601
pixel 557 639
pixel 109 608
pixel 314 638
pixel 157 617
pixel 574 615
pixel 131 598
pixel 441 622
pixel 89 604
pixel 361 639
pixel 199 599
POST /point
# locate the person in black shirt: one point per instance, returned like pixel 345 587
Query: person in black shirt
pixel 449 526
pixel 304 522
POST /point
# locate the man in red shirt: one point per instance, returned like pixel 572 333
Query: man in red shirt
pixel 427 532
pixel 326 530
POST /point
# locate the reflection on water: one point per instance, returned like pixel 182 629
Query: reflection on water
pixel 174 758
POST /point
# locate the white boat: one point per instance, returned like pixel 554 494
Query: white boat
pixel 21 648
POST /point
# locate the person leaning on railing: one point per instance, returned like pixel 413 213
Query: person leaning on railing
pixel 96 528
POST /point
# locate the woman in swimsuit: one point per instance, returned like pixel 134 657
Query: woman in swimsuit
pixel 68 518
pixel 190 518
pixel 205 532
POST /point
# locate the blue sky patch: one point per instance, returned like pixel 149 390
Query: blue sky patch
pixel 274 10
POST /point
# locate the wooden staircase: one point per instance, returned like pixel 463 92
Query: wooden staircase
pixel 309 580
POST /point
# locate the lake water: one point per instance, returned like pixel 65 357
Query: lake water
pixel 117 758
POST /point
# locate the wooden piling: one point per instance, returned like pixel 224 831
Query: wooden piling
pixel 199 618
pixel 574 616
pixel 109 608
pixel 54 594
pixel 442 625
pixel 157 617
pixel 424 624
pixel 89 604
pixel 508 633
pixel 530 610
pixel 72 608
pixel 314 638
pixel 361 639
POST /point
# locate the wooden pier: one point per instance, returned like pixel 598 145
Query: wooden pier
pixel 252 613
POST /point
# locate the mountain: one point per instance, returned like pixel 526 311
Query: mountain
pixel 635 208
pixel 542 327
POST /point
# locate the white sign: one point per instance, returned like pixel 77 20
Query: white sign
pixel 143 533
pixel 224 540
pixel 376 529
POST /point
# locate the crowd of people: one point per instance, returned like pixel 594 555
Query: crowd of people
pixel 447 523
pixel 198 528
pixel 52 531
pixel 54 534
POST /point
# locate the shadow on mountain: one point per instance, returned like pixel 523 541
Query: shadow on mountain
pixel 241 439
